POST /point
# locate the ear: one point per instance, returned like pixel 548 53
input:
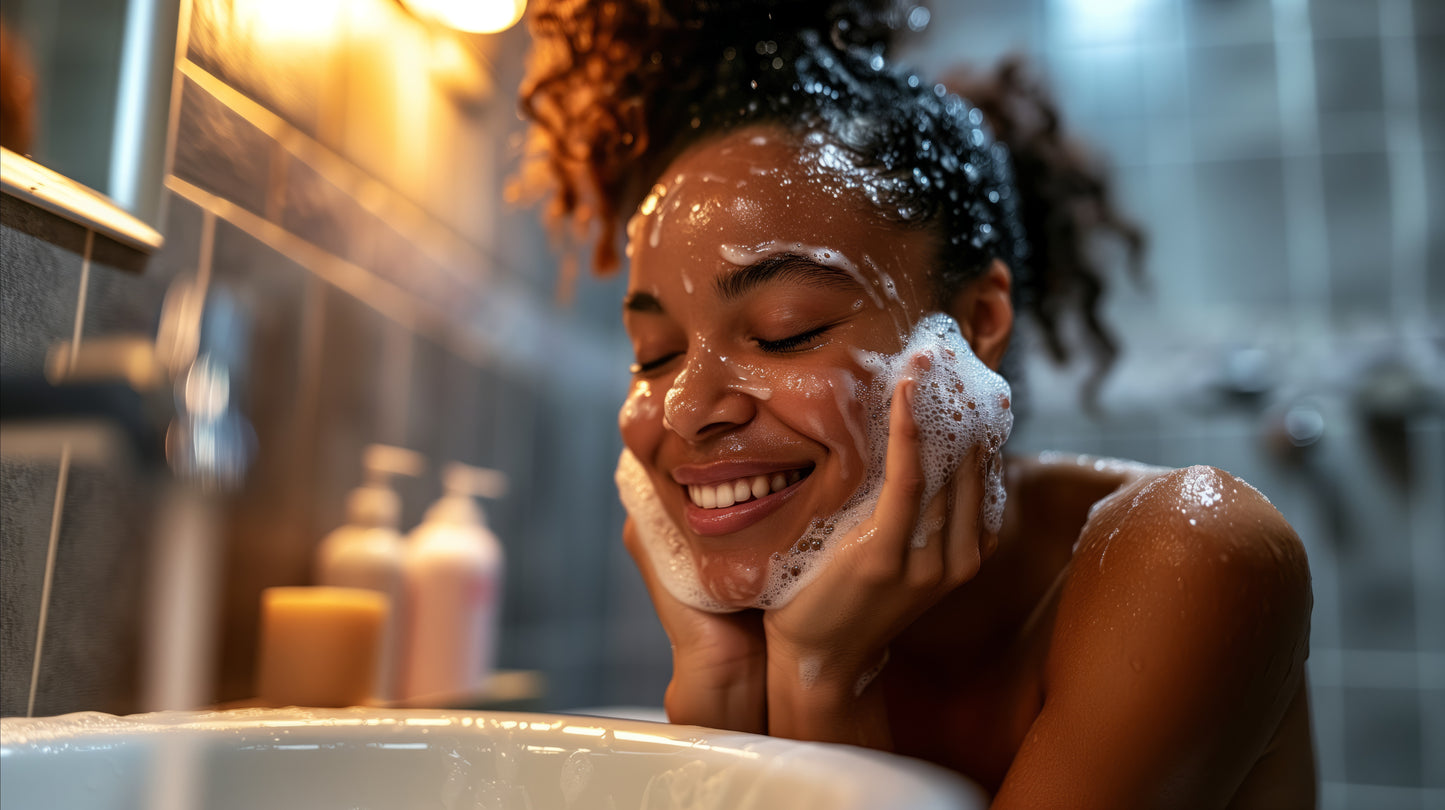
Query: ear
pixel 985 313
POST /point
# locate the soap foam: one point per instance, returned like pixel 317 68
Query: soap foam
pixel 959 403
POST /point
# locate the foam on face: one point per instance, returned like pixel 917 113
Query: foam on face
pixel 959 404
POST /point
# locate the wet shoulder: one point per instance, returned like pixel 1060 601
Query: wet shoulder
pixel 1199 519
pixel 1189 560
pixel 1179 634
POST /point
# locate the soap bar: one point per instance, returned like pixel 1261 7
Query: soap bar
pixel 320 646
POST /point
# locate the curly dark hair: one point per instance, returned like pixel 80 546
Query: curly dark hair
pixel 617 89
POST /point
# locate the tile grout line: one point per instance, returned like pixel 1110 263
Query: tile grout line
pixel 48 581
pixel 1405 165
pixel 1307 248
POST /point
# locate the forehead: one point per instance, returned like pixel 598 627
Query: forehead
pixel 753 189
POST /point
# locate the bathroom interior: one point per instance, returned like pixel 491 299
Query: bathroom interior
pixel 323 200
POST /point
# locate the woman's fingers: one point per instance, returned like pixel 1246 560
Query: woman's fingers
pixel 962 537
pixel 899 501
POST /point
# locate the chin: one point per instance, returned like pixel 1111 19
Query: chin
pixel 735 580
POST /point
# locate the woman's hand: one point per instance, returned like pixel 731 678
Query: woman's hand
pixel 826 645
pixel 719 660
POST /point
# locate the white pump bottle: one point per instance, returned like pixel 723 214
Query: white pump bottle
pixel 453 576
pixel 368 551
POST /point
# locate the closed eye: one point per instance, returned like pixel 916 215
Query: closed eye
pixel 653 365
pixel 793 343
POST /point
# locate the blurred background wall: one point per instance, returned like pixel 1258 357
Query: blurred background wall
pixel 339 167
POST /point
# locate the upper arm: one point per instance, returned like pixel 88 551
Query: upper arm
pixel 1179 643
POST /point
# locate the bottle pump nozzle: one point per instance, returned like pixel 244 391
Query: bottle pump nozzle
pixel 462 483
pixel 375 503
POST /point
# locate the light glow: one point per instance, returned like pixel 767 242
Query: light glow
pixel 472 16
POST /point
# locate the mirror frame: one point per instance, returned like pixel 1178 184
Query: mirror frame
pixel 45 188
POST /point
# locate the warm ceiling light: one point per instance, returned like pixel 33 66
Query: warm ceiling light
pixel 472 16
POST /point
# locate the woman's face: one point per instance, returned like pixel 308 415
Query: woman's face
pixel 759 271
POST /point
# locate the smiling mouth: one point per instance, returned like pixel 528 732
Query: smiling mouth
pixel 742 490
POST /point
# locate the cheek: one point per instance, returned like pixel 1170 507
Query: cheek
pixel 640 420
pixel 828 407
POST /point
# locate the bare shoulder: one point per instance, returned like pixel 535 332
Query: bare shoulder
pixel 1178 644
pixel 1206 527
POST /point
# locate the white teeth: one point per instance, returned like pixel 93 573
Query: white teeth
pixel 759 486
pixel 721 496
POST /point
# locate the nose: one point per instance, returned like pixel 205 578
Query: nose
pixel 702 401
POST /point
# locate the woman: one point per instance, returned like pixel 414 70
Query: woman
pixel 798 210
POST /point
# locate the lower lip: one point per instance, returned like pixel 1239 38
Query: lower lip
pixel 714 522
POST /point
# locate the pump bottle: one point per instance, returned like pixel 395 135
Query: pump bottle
pixel 368 553
pixel 453 572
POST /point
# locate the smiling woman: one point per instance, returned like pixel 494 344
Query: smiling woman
pixel 825 261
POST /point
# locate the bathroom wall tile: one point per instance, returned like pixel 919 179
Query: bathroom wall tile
pixel 985 31
pixel 286 62
pixel 1432 715
pixel 314 209
pixel 1348 75
pixel 1359 234
pixel 349 400
pixel 1241 233
pixel 1164 80
pixel 220 152
pixel 397 258
pixel 1382 737
pixel 514 442
pixel 1429 17
pixel 1430 72
pixel 1371 534
pixel 386 95
pixel 1228 23
pixel 1426 439
pixel 1349 132
pixel 268 521
pixel 123 302
pixel 1234 99
pixel 40 258
pixel 1121 143
pixel 432 427
pixel 1333 19
pixel 1104 81
pixel 91 655
pixel 27 489
pixel 1435 237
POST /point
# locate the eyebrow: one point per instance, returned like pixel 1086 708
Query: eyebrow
pixel 738 282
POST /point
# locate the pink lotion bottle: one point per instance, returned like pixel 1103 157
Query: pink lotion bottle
pixel 453 572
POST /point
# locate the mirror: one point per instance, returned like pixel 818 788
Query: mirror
pixel 87 92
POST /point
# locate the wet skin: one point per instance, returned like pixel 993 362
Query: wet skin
pixel 1132 637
